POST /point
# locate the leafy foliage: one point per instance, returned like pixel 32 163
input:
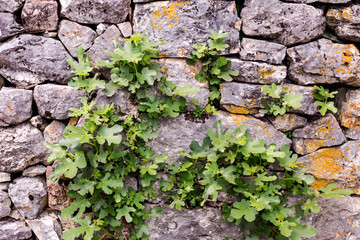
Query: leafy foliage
pixel 284 101
pixel 322 96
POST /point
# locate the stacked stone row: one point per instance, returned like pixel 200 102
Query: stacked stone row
pixel 300 43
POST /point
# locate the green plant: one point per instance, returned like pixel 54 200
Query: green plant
pixel 215 68
pixel 323 96
pixel 284 101
pixel 232 163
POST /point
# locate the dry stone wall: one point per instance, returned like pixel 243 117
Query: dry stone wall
pixel 300 43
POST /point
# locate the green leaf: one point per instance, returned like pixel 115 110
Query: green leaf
pixel 86 227
pixel 271 154
pixel 299 231
pixel 310 205
pixel 79 205
pixel 289 160
pixel 109 134
pixel 228 174
pixel 125 212
pixel 330 191
pixel 108 183
pixel 293 100
pixel 83 67
pixel 69 167
pixel 300 176
pixel 185 90
pixel 274 91
pixel 243 209
pixel 211 189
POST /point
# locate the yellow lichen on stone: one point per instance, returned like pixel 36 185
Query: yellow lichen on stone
pixel 265 73
pixel 167 14
pixel 237 110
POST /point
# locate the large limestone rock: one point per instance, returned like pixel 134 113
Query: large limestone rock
pixel 345 21
pixel 11 5
pixel 243 98
pixel 73 35
pixel 204 223
pixel 40 16
pixel 46 227
pixel 14 230
pixel 320 1
pixel 335 165
pixel 54 101
pixel 182 24
pixel 256 72
pixel 287 122
pixel 5 204
pixel 95 11
pixel 21 146
pixel 25 60
pixel 323 132
pixel 15 106
pixel 322 62
pixel 349 114
pixel 28 195
pixel 8 26
pixel 285 23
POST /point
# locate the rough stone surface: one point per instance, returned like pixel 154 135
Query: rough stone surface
pixel 53 101
pixel 53 133
pixel 121 103
pixel 15 106
pixel 323 132
pixel 57 198
pixel 8 26
pixel 25 60
pixel 104 42
pixel 125 29
pixel 40 16
pixel 95 11
pixel 256 72
pixel 263 51
pixel 345 21
pixel 14 230
pixel 5 204
pixel 285 23
pixel 243 98
pixel 45 227
pixel 324 62
pixel 335 165
pixel 320 1
pixel 176 134
pixel 182 24
pixel 204 223
pixel 73 35
pixel 349 114
pixel 287 122
pixel 5 177
pixel 28 195
pixel 34 171
pixel 11 5
pixel 39 122
pixel 21 146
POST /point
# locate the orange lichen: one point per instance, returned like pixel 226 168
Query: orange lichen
pixel 318 183
pixel 167 14
pixel 10 107
pixel 340 234
pixel 237 110
pixel 181 52
pixel 265 73
pixel 73 121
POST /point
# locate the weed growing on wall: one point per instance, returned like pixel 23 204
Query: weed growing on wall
pixel 322 96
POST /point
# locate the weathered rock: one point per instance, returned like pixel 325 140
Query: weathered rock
pixel 320 1
pixel 40 16
pixel 8 26
pixel 5 177
pixel 285 23
pixel 25 60
pixel 256 72
pixel 177 71
pixel 45 227
pixel 15 214
pixel 11 5
pixel 34 171
pixel 95 11
pixel 323 132
pixel 349 114
pixel 21 146
pixel 39 122
pixel 323 62
pixel 53 133
pixel 243 98
pixel 125 29
pixel 176 134
pixel 287 122
pixel 15 106
pixel 345 21
pixel 53 101
pixel 263 51
pixel 73 35
pixel 5 204
pixel 335 165
pixel 14 230
pixel 28 195
pixel 4 186
pixel 182 24
pixel 204 223
pixel 101 28
pixel 104 42
pixel 57 198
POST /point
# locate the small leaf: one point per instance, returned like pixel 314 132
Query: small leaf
pixel 243 209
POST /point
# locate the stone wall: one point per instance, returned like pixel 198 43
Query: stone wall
pixel 300 43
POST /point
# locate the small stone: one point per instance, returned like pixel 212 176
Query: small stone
pixel 256 72
pixel 4 186
pixel 8 26
pixel 101 28
pixel 5 177
pixel 34 171
pixel 11 5
pixel 73 35
pixel 45 227
pixel 287 122
pixel 349 114
pixel 125 29
pixel 57 198
pixel 49 34
pixel 54 132
pixel 5 204
pixel 95 11
pixel 54 101
pixel 40 16
pixel 263 51
pixel 11 230
pixel 15 106
pixel 15 214
pixel 39 122
pixel 28 195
